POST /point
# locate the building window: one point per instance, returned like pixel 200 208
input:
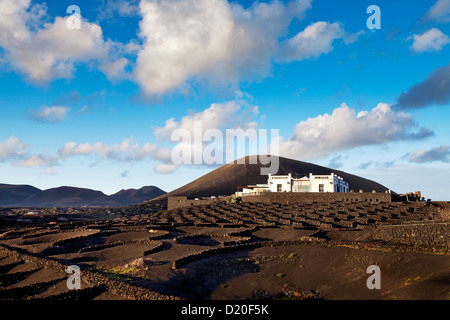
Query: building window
pixel 321 187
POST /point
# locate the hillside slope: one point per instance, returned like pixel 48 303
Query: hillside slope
pixel 29 196
pixel 133 196
pixel 226 179
pixel 10 194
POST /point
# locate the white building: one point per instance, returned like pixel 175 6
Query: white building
pixel 286 183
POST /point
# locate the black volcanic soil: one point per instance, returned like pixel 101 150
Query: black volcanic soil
pixel 224 251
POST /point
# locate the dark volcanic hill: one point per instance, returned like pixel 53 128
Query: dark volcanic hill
pixel 28 196
pixel 133 196
pixel 10 194
pixel 68 197
pixel 226 179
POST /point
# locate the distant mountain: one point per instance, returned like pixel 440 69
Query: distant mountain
pixel 10 194
pixel 28 196
pixel 133 196
pixel 68 197
pixel 226 179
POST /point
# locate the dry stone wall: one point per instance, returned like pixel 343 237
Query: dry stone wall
pixel 416 233
pixel 305 197
pixel 286 198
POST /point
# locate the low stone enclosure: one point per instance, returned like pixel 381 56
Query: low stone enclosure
pixel 183 201
pixel 307 197
pixel 420 233
pixel 415 222
pixel 285 198
pixel 166 241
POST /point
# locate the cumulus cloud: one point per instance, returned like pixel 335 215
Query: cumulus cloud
pixel 221 42
pixel 435 89
pixel 343 129
pixel 439 12
pixel 315 40
pixel 234 114
pixel 429 41
pixel 165 168
pixel 181 42
pixel 195 132
pixel 441 153
pixel 16 152
pixel 52 114
pixel 37 160
pixel 50 51
pixel 126 150
pixel 11 148
pixel 231 114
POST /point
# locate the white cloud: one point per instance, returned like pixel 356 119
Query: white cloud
pixel 234 114
pixel 14 151
pixel 13 16
pixel 12 148
pixel 52 114
pixel 182 38
pixel 439 12
pixel 231 114
pixel 126 150
pixel 165 168
pixel 211 40
pixel 315 40
pixel 353 37
pixel 51 51
pixel 342 130
pixel 37 160
pixel 432 40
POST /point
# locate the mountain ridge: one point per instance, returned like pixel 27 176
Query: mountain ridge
pixel 66 196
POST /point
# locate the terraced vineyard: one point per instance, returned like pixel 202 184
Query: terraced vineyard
pixel 196 252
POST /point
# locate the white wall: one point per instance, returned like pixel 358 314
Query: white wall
pixel 326 181
pixel 331 183
pixel 285 182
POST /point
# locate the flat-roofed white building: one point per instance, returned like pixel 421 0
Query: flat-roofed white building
pixel 286 183
pixel 327 183
pixel 280 183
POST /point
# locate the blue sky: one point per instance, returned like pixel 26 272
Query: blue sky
pixel 94 107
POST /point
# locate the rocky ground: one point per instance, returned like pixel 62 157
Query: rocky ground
pixel 231 251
